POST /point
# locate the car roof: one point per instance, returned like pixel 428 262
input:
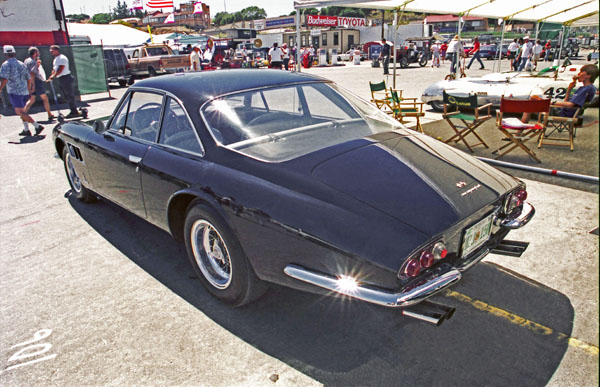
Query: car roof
pixel 202 86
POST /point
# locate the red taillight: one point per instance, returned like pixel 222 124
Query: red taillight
pixel 427 259
pixel 413 268
pixel 521 194
pixel 439 251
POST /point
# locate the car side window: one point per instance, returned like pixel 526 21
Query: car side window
pixel 143 120
pixel 119 122
pixel 177 130
pixel 283 99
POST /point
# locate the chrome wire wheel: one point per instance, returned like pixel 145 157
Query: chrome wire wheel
pixel 73 177
pixel 211 254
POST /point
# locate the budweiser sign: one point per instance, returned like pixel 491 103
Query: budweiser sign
pixel 321 21
pixel 334 21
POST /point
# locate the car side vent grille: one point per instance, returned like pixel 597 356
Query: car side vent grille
pixel 75 152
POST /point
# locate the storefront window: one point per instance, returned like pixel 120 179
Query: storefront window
pixel 324 39
pixel 336 39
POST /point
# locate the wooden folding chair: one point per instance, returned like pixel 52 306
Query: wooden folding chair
pixel 519 133
pixel 454 108
pixel 559 124
pixel 380 96
pixel 403 108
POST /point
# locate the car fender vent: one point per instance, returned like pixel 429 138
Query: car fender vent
pixel 75 152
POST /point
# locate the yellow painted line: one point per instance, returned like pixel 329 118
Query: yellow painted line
pixel 521 321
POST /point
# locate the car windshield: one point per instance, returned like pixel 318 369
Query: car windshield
pixel 281 123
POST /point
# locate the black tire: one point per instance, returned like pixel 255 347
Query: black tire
pixel 131 80
pixel 404 62
pixel 122 82
pixel 225 272
pixel 437 106
pixel 77 187
pixel 152 72
pixel 423 61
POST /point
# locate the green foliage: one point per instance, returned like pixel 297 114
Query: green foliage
pixel 249 13
pixel 78 17
pixel 121 11
pixel 101 18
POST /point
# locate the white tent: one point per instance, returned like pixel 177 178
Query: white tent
pixel 549 11
pixel 109 34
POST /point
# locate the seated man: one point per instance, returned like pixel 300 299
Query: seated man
pixel 587 76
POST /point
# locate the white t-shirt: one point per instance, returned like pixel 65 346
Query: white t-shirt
pixel 537 49
pixel 513 47
pixel 61 60
pixel 195 58
pixel 435 49
pixel 276 54
pixel 527 48
pixel 454 46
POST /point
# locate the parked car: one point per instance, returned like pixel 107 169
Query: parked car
pixel 117 66
pixel 349 55
pixel 490 51
pixel 491 87
pixel 282 177
pixel 156 59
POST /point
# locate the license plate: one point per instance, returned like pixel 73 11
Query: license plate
pixel 477 235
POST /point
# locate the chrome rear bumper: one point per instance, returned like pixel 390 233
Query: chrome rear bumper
pixel 524 217
pixel 411 294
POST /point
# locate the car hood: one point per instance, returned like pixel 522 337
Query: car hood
pixel 416 179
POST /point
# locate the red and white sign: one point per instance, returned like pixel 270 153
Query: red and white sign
pixel 334 21
pixel 198 8
pixel 321 21
pixel 351 22
pixel 137 4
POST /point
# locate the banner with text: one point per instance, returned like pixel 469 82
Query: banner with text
pixel 334 21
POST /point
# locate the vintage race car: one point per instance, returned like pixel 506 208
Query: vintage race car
pixel 282 177
pixel 490 88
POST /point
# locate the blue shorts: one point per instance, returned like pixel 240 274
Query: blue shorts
pixel 18 101
pixel 40 89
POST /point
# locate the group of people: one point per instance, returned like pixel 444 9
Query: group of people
pixel 525 55
pixel 25 81
pixel 279 56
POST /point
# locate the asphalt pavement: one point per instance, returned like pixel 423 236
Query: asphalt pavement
pixel 92 295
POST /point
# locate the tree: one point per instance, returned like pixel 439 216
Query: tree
pixel 121 11
pixel 77 17
pixel 252 13
pixel 101 18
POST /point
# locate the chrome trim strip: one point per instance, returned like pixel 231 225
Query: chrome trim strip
pixel 409 295
pixel 467 265
pixel 524 217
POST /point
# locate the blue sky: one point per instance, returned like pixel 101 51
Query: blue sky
pixel 272 7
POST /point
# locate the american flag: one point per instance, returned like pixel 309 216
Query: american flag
pixel 159 4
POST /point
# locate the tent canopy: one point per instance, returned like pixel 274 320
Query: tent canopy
pixel 483 8
pixel 109 34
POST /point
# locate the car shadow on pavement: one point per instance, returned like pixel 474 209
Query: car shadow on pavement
pixel 507 330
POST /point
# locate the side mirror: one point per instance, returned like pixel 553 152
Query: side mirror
pixel 99 126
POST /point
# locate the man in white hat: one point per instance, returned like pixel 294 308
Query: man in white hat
pixel 526 53
pixel 18 82
pixel 195 59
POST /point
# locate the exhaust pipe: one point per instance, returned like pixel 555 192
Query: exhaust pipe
pixel 430 311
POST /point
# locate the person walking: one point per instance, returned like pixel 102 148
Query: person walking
pixel 195 59
pixel 286 56
pixel 60 70
pixel 518 55
pixel 443 49
pixel 476 54
pixel 275 57
pixel 526 52
pixel 513 48
pixel 454 53
pixel 18 82
pixel 33 64
pixel 537 52
pixel 548 48
pixel 384 55
pixel 435 52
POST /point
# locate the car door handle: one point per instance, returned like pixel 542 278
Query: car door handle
pixel 109 138
pixel 134 159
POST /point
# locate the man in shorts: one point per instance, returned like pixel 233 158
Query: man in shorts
pixel 18 82
pixel 33 66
